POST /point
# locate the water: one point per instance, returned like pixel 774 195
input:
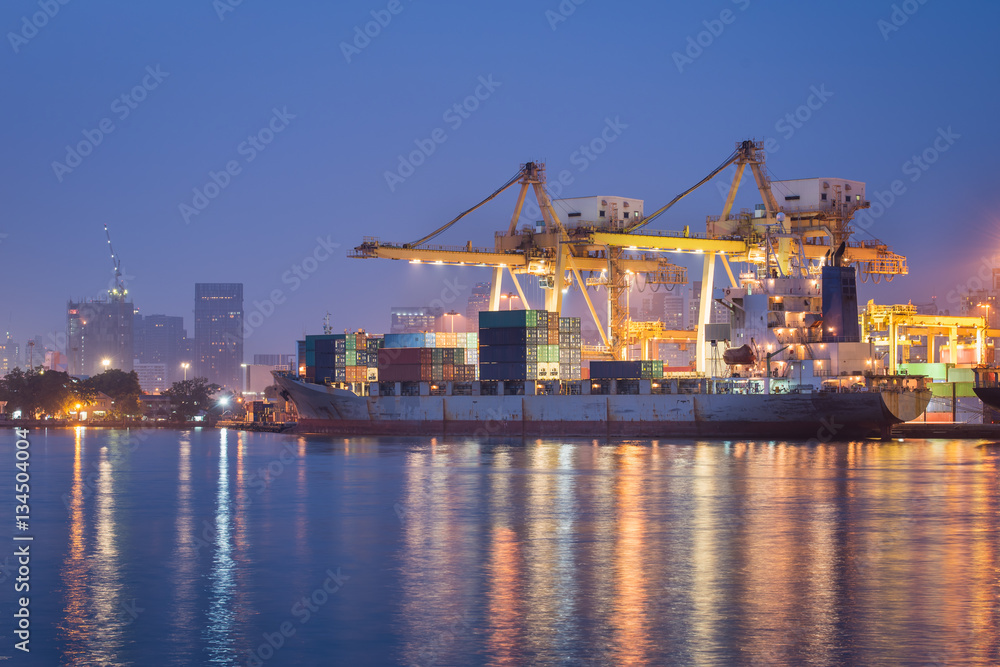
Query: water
pixel 212 547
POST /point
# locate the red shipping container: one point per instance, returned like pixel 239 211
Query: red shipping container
pixel 400 356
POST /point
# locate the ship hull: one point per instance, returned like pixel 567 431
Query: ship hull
pixel 990 396
pixel 823 416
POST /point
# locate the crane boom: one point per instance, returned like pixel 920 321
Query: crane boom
pixel 117 292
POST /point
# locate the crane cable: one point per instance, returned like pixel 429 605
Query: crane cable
pixel 461 215
pixel 645 221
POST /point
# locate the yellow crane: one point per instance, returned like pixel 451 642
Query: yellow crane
pixel 771 241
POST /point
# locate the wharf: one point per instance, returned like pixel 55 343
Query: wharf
pixel 946 430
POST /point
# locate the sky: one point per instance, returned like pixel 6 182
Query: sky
pixel 253 142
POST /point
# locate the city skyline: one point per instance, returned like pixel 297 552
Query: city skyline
pixel 202 177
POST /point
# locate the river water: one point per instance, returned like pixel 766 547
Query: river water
pixel 226 548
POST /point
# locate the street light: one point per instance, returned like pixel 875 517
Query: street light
pixel 185 365
pixel 105 363
pixel 987 307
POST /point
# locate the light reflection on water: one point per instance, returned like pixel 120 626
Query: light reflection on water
pixel 473 552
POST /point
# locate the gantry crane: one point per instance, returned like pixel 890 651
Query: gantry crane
pixel 775 243
pixel 549 254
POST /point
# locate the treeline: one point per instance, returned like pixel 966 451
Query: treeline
pixel 39 393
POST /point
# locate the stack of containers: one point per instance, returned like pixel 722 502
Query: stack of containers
pixel 626 370
pixel 340 357
pixel 570 343
pixel 508 344
pixel 372 347
pixel 428 357
pixel 518 345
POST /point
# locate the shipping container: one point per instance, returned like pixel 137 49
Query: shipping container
pixel 615 370
pixel 393 340
pixel 398 356
pixel 507 318
pixel 548 371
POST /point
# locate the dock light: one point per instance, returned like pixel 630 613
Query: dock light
pixel 656 385
pixel 596 385
pixel 105 363
pixel 224 401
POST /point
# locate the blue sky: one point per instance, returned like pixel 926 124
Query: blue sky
pixel 199 80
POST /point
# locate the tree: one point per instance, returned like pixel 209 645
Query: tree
pixel 39 391
pixel 189 397
pixel 123 388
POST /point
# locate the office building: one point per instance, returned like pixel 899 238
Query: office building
pixel 160 339
pixel 99 336
pixel 218 333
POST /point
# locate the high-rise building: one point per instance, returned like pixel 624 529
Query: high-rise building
pixel 719 312
pixel 98 332
pixel 414 320
pixel 159 339
pixel 218 333
pixel 152 377
pixel 479 301
pixel 9 354
pixel 675 308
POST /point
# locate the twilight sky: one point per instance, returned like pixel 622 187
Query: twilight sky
pixel 286 122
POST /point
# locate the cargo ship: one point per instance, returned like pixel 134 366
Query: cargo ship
pixel 794 368
pixel 788 363
pixel 987 385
